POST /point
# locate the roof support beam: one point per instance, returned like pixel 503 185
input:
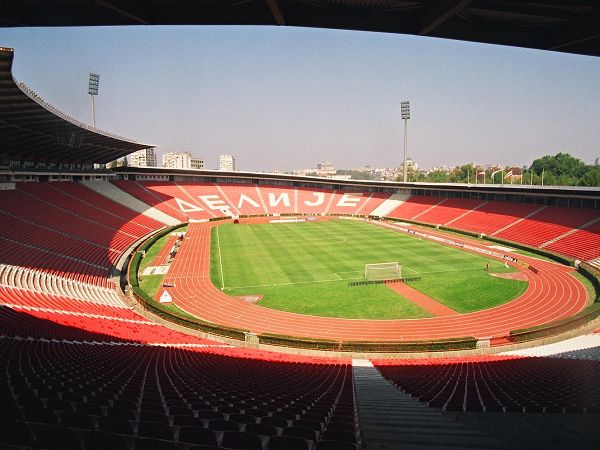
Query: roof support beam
pixel 565 45
pixel 440 12
pixel 576 34
pixel 121 11
pixel 276 11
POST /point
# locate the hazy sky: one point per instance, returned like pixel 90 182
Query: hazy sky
pixel 283 98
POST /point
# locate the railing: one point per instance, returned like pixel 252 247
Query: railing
pixel 54 110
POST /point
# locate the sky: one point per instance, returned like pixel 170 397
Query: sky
pixel 281 98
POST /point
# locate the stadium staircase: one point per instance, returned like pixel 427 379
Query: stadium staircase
pixel 390 204
pixel 391 419
pixel 518 220
pixel 449 210
pixel 547 224
pixel 443 200
pixel 499 384
pixel 146 194
pixel 114 193
pixel 492 216
pixel 570 232
pixel 595 263
pixel 466 213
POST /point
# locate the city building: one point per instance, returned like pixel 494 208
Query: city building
pixel 325 169
pixel 170 160
pixel 143 158
pixel 197 163
pixel 182 160
pixel 226 163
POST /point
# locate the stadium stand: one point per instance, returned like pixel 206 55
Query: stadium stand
pixel 500 384
pixel 449 210
pixel 67 230
pixel 202 196
pixel 580 347
pixel 494 216
pixel 118 196
pixel 340 200
pixel 43 282
pixel 245 199
pixel 547 224
pixel 391 203
pixel 202 201
pixel 583 244
pixel 107 210
pixel 415 206
pixel 136 396
pixel 151 195
pixel 552 227
pixel 406 422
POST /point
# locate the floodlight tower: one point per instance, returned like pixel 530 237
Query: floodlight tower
pixel 405 112
pixel 93 84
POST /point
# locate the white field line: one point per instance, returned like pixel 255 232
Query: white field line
pixel 294 240
pixel 220 258
pixel 291 283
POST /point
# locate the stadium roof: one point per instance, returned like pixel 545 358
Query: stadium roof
pixel 571 26
pixel 32 130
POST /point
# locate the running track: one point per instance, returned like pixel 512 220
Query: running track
pixel 552 294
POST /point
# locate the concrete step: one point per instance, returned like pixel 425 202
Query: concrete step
pixel 114 193
pixel 392 419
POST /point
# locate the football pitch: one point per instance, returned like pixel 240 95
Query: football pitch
pixel 305 268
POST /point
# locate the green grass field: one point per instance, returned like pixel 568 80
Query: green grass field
pixel 305 268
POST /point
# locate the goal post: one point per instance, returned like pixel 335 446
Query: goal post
pixel 383 271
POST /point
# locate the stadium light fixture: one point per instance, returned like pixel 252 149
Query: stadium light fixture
pixel 405 113
pixel 93 84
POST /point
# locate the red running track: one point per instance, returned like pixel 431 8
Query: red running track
pixel 552 294
pixel 163 256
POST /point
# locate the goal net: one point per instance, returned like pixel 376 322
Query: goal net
pixel 383 271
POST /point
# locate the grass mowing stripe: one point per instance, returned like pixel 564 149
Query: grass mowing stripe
pixel 325 257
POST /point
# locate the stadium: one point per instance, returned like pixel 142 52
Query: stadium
pixel 148 308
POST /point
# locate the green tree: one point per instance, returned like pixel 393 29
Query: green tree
pixel 124 161
pixel 463 174
pixel 438 176
pixel 559 165
pixel 591 177
pixel 411 174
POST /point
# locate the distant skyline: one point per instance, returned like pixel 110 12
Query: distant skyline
pixel 287 98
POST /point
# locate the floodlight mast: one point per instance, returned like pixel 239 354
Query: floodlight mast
pixel 405 112
pixel 93 84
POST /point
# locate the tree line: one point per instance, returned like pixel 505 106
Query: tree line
pixel 561 169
